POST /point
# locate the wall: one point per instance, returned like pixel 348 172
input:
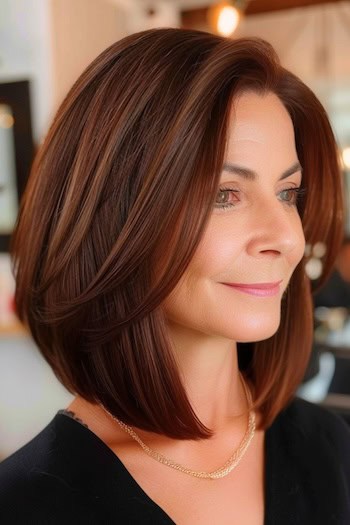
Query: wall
pixel 80 30
pixel 25 54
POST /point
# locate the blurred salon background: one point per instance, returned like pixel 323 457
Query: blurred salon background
pixel 45 45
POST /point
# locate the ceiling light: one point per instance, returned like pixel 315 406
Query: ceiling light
pixel 225 16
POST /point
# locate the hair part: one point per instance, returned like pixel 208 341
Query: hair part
pixel 107 224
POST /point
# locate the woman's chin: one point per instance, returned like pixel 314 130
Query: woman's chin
pixel 257 329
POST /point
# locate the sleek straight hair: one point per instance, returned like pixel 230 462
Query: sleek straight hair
pixel 117 202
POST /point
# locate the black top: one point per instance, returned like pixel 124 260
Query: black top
pixel 67 475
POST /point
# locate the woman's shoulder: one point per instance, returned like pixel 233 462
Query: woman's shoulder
pixel 27 460
pixel 310 418
pixel 27 480
pixel 306 425
pixel 66 474
pixel 45 478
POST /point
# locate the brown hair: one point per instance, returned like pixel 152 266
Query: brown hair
pixel 111 194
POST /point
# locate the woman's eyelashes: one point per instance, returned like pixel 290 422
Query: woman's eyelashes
pixel 292 196
pixel 227 198
pixel 230 197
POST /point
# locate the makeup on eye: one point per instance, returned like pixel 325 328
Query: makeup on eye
pixel 290 196
pixel 294 193
pixel 224 192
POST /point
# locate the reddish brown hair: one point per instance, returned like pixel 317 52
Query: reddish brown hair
pixel 142 131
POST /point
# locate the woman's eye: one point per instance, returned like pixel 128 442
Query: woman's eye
pixel 291 195
pixel 226 198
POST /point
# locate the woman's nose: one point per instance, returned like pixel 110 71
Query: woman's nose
pixel 276 231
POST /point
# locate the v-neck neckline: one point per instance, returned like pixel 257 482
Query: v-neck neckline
pixel 269 491
pixel 116 463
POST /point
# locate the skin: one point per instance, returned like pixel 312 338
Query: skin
pixel 257 239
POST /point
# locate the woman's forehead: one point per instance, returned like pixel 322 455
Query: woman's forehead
pixel 260 133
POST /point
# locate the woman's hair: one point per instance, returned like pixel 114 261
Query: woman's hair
pixel 117 202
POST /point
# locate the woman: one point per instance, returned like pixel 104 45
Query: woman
pixel 159 261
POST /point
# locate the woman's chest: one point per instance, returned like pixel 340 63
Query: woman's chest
pixel 236 498
pixel 224 505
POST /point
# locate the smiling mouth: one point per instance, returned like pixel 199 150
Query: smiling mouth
pixel 257 289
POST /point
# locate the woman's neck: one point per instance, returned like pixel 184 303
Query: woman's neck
pixel 209 370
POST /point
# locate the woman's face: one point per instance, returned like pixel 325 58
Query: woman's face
pixel 234 285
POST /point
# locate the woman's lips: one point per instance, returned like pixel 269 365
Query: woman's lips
pixel 258 289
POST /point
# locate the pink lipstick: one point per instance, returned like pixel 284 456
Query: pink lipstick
pixel 257 289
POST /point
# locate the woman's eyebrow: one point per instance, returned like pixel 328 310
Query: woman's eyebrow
pixel 249 174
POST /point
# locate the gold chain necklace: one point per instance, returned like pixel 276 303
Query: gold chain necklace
pixel 221 472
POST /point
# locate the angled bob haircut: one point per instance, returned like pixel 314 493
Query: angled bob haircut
pixel 110 194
